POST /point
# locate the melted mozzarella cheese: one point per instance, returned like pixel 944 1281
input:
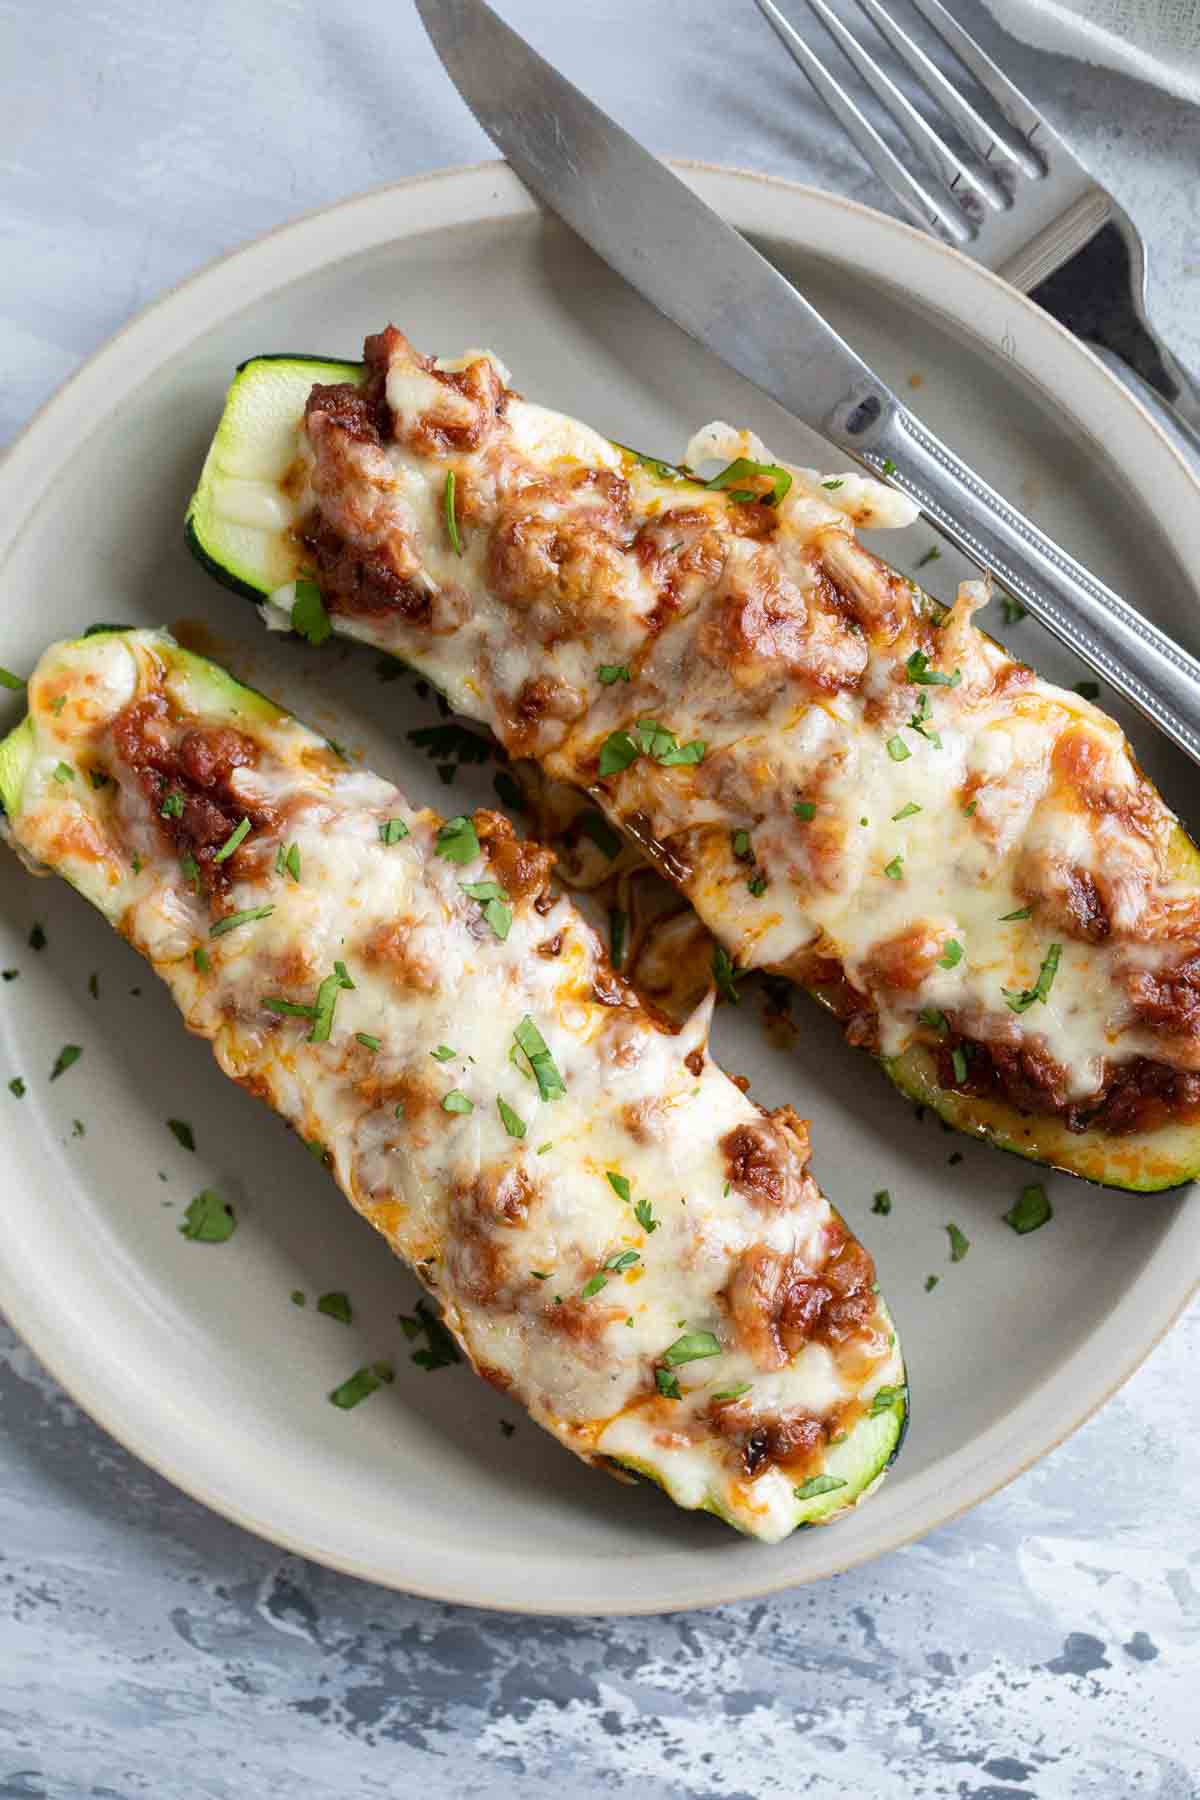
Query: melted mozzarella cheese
pixel 481 1214
pixel 938 808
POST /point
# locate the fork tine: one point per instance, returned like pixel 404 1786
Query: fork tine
pixel 1025 120
pixel 917 200
pixel 920 134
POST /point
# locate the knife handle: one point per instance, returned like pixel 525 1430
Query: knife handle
pixel 1134 657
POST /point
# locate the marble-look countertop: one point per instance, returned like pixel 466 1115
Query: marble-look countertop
pixel 1048 1644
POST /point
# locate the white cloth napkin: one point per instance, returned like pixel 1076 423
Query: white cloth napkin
pixel 1156 40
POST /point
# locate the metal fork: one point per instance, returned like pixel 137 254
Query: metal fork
pixel 1016 199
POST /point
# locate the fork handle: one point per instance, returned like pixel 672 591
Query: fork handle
pixel 1134 657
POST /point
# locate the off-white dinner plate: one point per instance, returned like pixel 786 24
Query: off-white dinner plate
pixel 194 1355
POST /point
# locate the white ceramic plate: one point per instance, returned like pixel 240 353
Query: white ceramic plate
pixel 194 1355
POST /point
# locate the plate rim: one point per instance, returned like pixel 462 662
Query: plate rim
pixel 31 462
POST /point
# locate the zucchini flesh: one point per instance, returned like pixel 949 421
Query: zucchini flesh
pixel 397 1063
pixel 1154 1158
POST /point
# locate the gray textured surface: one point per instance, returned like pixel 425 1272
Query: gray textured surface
pixel 1049 1643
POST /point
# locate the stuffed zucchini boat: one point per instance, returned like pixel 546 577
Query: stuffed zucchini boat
pixel 854 786
pixel 617 1235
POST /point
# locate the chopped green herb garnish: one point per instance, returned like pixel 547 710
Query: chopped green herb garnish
pixel 734 1393
pixel 624 1259
pixel 725 975
pixel 952 954
pixel 309 618
pixel 918 670
pixel 172 806
pixel 336 1306
pixel 236 836
pixel 357 1387
pixel 1013 611
pixel 969 809
pixel 1090 690
pixel 593 1286
pixel 906 812
pixel 1022 912
pixel 99 779
pixel 9 680
pixel 931 1282
pixel 443 1053
pixel 958 1058
pixel 292 1009
pixel 512 1121
pixel 208 1219
pixel 68 1055
pixel 443 1352
pixel 16 1087
pixel 326 1002
pixel 494 901
pixel 63 772
pixel 882 1202
pixel 609 673
pixel 833 485
pixel 617 752
pixel 655 741
pixel 920 722
pixel 232 920
pixel 897 749
pixel 619 1185
pixel 740 843
pixel 691 1347
pixel 201 959
pixel 757 884
pixel 667 1384
pixel 530 1041
pixel 456 1102
pixel 1020 1001
pixel 298 1297
pixel 457 840
pixel 456 543
pixel 805 809
pixel 740 469
pixel 618 925
pixel 180 1129
pixel 191 871
pixel 10 974
pixel 818 1484
pixel 936 1021
pixel 959 1245
pixel 1031 1211
pixel 542 1148
pixel 895 869
pixel 595 826
pixel 392 831
pixel 888 466
pixel 644 1215
pixel 933 554
pixel 291 861
pixel 366 1040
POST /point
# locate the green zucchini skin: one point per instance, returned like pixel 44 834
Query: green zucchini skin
pixel 1141 1162
pixel 874 1439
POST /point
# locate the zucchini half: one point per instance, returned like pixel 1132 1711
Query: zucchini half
pixel 500 1178
pixel 240 526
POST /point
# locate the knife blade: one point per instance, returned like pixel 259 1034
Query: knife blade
pixel 701 273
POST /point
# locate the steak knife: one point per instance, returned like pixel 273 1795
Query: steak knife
pixel 650 227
